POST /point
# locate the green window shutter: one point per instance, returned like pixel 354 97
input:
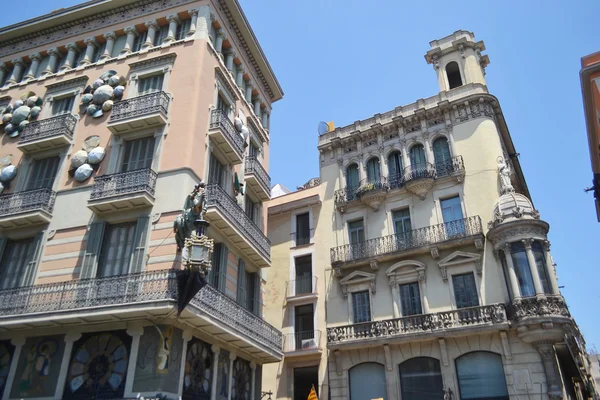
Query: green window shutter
pixel 2 246
pixel 94 244
pixel 256 294
pixel 223 269
pixel 241 289
pixel 139 244
pixel 34 255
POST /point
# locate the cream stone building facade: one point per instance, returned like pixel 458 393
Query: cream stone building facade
pixel 431 270
pixel 126 105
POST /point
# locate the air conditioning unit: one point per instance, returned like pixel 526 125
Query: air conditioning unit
pixel 309 343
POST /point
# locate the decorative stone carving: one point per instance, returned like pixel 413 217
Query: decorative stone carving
pixel 357 278
pixel 459 258
pixel 504 174
pixel 374 265
pixel 420 187
pixel 538 307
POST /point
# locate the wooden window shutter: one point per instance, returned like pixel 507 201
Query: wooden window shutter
pixel 34 258
pixel 241 284
pixel 140 238
pixel 223 268
pixel 256 294
pixel 94 244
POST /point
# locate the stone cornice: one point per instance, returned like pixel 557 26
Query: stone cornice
pixel 68 84
pixel 167 59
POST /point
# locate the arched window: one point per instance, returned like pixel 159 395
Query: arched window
pixel 453 74
pixel 421 379
pixel 373 171
pixel 367 381
pixel 352 176
pixel 441 154
pixel 395 169
pixel 481 376
pixel 418 163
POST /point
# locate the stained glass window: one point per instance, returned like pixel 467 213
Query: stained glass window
pixel 6 353
pixel 241 380
pixel 198 370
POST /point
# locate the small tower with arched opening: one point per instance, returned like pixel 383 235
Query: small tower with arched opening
pixel 457 60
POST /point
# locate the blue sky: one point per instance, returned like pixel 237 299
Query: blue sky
pixel 344 60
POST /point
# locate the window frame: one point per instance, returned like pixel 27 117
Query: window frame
pixel 498 357
pixel 294 226
pixel 475 282
pixel 130 225
pixel 358 281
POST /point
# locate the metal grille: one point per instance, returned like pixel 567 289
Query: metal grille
pixel 254 167
pixel 483 315
pixel 151 103
pixel 217 197
pixel 141 180
pixel 30 200
pixel 45 128
pixel 220 120
pixel 407 240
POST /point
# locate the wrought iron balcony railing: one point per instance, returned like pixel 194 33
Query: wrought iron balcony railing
pixel 217 197
pixel 538 307
pixel 134 288
pixel 419 171
pixel 220 120
pixel 45 128
pixel 415 238
pixel 370 185
pixel 449 167
pixel 253 166
pixel 29 200
pixel 302 286
pixel 302 341
pixel 464 317
pixel 123 183
pixel 145 104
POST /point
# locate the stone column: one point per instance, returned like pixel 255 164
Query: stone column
pixel 249 92
pixel 89 51
pixel 396 298
pixel 549 266
pixel 72 52
pixel 553 381
pixel 429 150
pixel 232 358
pixel 239 77
pixel 265 119
pixel 173 22
pixel 17 72
pixel 219 41
pixel 152 28
pixel 257 106
pixel 3 70
pixel 110 43
pixel 18 342
pixel 194 14
pixel 215 371
pixel 253 380
pixel 512 275
pixel 405 157
pixel 229 60
pixel 451 143
pixel 203 22
pixel 131 34
pixel 135 332
pixel 54 53
pixel 187 336
pixel 70 339
pixel 35 64
pixel 423 289
pixel 537 283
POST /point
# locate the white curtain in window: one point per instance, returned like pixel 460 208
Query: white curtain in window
pixel 481 376
pixel 367 381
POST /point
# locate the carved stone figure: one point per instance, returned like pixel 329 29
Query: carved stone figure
pixel 504 173
pixel 193 209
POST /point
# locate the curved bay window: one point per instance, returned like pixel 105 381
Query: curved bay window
pixel 522 269
pixel 395 168
pixel 421 379
pixel 481 376
pixel 367 381
pixel 540 261
pixel 442 157
pixel 373 170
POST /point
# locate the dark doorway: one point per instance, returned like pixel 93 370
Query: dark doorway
pixel 453 73
pixel 304 379
pixel 304 325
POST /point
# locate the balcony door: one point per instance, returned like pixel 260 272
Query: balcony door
pixel 442 157
pixel 216 172
pixel 151 84
pixel 42 173
pixel 15 260
pixel 352 180
pixel 402 228
pixel 304 379
pixel 138 154
pixel 63 105
pixel 452 214
pixel 356 232
pixel 117 247
pixel 418 162
pixel 302 229
pixel 304 326
pixel 303 275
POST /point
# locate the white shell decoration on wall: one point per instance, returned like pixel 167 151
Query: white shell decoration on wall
pixel 242 130
pixel 16 116
pixel 101 95
pixel 85 161
pixel 7 172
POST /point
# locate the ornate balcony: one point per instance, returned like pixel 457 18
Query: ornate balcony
pixel 226 137
pixel 453 167
pixel 47 134
pixel 228 217
pixel 257 178
pixel 372 192
pixel 145 111
pixel 408 328
pixel 26 208
pixel 134 296
pixel 123 191
pixel 418 179
pixel 534 307
pixel 302 343
pixel 301 289
pixel 422 240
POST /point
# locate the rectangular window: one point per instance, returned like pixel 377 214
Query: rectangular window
pixel 14 262
pixel 216 171
pixel 139 41
pixel 117 247
pixel 160 35
pixel 361 307
pixel 150 84
pixel 402 224
pixel 303 283
pixel 522 270
pixel 410 299
pixel 218 273
pixel 182 29
pixel 304 325
pixel 63 105
pixel 43 172
pixel 250 208
pixel 452 214
pixel 253 292
pixel 540 261
pixel 7 75
pixel 242 298
pixel 253 150
pixel 302 229
pixel 465 290
pixel 119 45
pixel 356 233
pixel 138 154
